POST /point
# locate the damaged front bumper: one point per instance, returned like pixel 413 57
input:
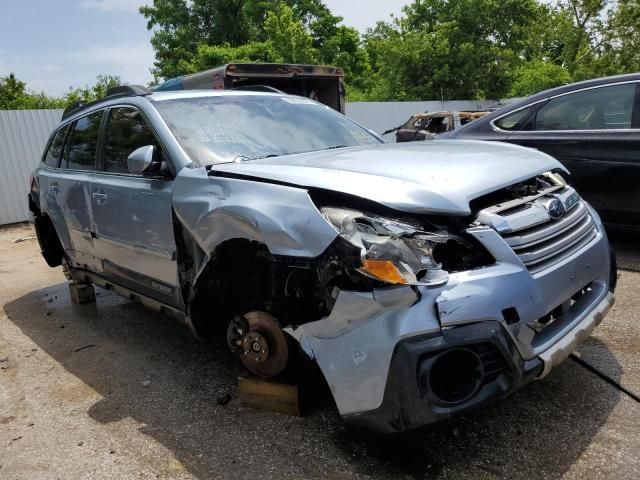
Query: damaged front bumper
pixel 402 357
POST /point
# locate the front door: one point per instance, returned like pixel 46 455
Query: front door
pixel 132 214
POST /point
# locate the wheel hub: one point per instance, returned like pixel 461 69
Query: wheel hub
pixel 256 344
pixel 256 337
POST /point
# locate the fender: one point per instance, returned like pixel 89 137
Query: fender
pixel 215 209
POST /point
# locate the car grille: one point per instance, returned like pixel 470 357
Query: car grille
pixel 540 245
pixel 538 239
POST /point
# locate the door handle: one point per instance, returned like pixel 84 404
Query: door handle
pixel 54 188
pixel 99 197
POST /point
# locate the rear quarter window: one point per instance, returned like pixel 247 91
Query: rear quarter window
pixel 512 120
pixel 52 155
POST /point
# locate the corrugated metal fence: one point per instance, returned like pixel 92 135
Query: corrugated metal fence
pixel 23 135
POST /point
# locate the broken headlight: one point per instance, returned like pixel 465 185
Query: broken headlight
pixel 391 251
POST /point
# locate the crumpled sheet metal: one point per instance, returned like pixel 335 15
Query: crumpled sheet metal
pixel 216 209
pixel 353 346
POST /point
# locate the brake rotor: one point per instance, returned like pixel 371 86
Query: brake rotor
pixel 260 343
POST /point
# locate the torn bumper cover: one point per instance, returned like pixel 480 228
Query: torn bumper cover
pixel 415 394
pixel 403 357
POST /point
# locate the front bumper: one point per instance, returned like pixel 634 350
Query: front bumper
pixel 407 405
pixel 374 345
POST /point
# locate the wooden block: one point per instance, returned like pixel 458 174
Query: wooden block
pixel 82 292
pixel 269 395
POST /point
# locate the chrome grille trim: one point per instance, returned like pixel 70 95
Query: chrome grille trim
pixel 546 231
pixel 538 240
pixel 538 267
pixel 541 252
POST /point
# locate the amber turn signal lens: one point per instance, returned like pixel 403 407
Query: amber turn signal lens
pixel 384 270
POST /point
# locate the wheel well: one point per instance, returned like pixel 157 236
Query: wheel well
pixel 236 279
pixel 50 245
pixel 242 276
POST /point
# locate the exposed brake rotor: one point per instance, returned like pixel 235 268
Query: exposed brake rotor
pixel 256 337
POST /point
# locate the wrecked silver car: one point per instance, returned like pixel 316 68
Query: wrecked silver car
pixel 423 279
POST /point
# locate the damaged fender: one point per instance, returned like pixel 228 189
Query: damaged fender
pixel 215 209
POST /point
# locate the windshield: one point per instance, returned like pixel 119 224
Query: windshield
pixel 218 129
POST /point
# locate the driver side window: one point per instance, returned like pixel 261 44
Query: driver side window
pixel 127 130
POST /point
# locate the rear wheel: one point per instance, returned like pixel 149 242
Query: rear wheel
pixel 50 245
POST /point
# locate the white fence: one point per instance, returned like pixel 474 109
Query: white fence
pixel 23 136
pixel 24 133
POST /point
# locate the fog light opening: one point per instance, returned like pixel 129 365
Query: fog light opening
pixel 456 375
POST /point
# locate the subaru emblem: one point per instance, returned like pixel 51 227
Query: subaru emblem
pixel 555 208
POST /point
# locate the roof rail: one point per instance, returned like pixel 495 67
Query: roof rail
pixel 74 107
pixel 119 91
pixel 134 90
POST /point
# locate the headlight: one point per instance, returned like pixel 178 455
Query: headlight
pixel 391 251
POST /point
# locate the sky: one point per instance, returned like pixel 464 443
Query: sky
pixel 56 44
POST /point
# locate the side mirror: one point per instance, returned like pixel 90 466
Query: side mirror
pixel 143 160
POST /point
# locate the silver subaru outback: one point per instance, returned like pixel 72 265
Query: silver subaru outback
pixel 423 279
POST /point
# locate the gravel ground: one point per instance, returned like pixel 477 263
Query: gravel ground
pixel 112 390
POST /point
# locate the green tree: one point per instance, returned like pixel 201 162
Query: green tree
pixel 209 56
pixel 538 75
pixel 450 49
pixel 180 27
pixel 439 48
pixel 88 94
pixel 620 48
pixel 15 96
pixel 290 41
pixel 581 37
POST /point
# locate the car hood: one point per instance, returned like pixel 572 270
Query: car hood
pixel 439 177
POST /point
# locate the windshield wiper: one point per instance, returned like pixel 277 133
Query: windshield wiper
pixel 332 147
pixel 244 158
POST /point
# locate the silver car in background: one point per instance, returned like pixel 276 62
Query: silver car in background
pixel 422 279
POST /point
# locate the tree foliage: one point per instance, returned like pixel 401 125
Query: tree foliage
pixel 191 35
pixel 464 49
pixel 492 48
pixel 14 94
pixel 447 49
pixel 290 41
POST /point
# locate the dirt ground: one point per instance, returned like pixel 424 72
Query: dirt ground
pixel 111 390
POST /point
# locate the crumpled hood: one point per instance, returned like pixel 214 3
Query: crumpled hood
pixel 422 177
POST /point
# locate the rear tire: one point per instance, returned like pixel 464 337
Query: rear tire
pixel 50 245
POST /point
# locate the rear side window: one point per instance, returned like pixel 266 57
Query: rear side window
pixel 52 157
pixel 601 108
pixel 83 142
pixel 127 130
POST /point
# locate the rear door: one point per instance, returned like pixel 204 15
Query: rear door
pixel 68 191
pixel 48 180
pixel 132 214
pixel 595 133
